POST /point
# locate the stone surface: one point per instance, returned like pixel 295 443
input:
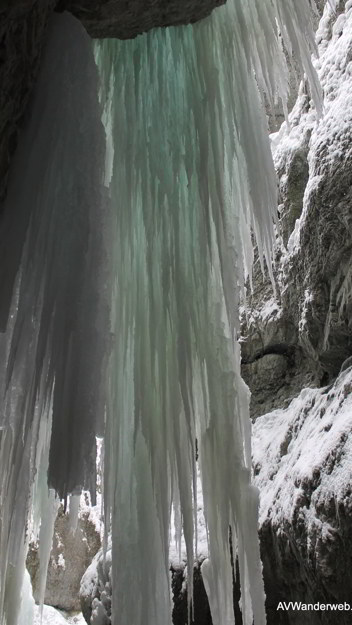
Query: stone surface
pixel 308 319
pixel 201 614
pixel 70 556
pixel 315 270
pixel 22 35
pixel 301 337
pixel 302 464
pixel 128 18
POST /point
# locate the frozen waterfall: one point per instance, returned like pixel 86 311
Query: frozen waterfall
pixel 120 303
pixel 191 175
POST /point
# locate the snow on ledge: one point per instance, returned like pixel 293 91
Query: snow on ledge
pixel 310 442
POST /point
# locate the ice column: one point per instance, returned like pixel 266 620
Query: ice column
pixel 54 301
pixel 191 176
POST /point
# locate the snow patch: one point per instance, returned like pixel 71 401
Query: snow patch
pixel 310 441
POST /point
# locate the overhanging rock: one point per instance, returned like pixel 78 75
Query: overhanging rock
pixel 128 18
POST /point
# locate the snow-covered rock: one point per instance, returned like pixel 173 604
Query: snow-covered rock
pixel 51 616
pixel 315 267
pixel 295 342
pixel 48 616
pixel 311 324
pixel 95 590
pixel 302 458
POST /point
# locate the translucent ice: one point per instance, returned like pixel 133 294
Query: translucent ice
pixel 191 174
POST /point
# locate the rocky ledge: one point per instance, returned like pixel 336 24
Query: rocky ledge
pixel 125 19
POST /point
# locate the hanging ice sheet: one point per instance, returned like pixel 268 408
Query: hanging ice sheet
pixel 191 174
pixel 54 299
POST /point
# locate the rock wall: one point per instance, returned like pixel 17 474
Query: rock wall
pixel 124 20
pixel 301 335
pixel 302 464
pixel 22 36
pixel 71 554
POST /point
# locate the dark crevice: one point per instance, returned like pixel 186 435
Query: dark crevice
pixel 283 349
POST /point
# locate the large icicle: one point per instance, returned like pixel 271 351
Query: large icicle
pixel 191 174
pixel 53 301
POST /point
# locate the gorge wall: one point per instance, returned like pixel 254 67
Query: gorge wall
pixel 300 338
pixel 301 334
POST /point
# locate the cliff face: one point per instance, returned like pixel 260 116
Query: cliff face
pixel 22 35
pixel 301 337
pixel 124 20
pixel 302 464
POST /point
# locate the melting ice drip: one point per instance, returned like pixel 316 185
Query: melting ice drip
pixel 190 173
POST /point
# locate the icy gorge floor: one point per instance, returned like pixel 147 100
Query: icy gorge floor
pixel 51 616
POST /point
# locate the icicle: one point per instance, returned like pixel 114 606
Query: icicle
pixel 73 513
pixel 54 303
pixel 45 540
pixel 26 614
pixel 191 175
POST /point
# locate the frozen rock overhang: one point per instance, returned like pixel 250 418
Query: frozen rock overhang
pixel 126 19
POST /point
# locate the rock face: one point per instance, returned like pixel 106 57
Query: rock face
pixel 307 323
pixel 22 35
pixel 70 556
pixel 124 20
pixel 302 464
pixel 301 337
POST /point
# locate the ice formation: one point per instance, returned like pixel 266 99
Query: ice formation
pixel 52 302
pixel 190 173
